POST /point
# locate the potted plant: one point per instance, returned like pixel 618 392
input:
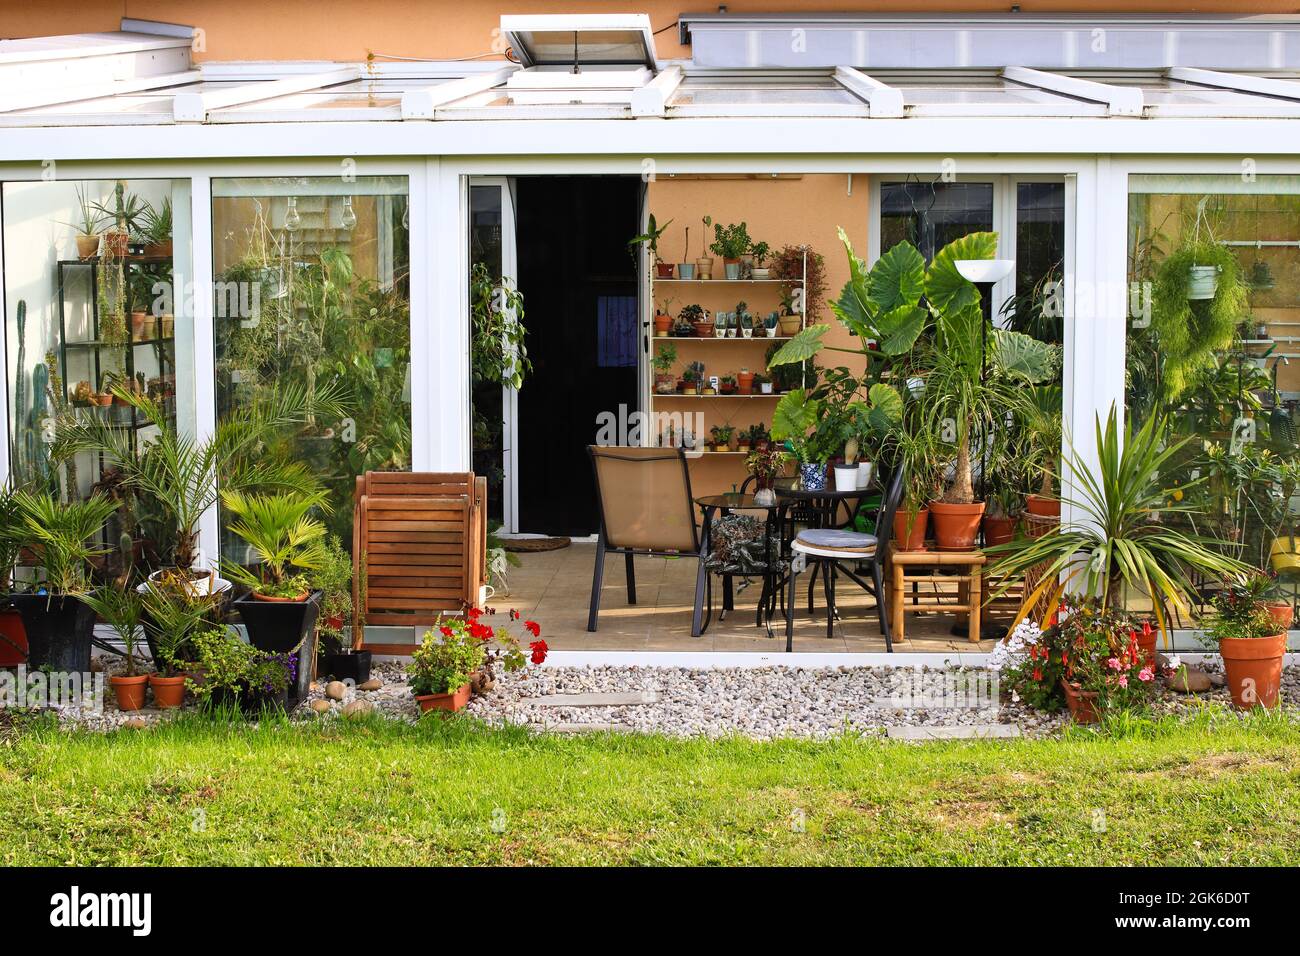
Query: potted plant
pixel 727 385
pixel 120 607
pixel 914 450
pixel 86 226
pixel 765 463
pixel 664 360
pixel 650 239
pixel 156 230
pixel 762 383
pixel 234 676
pixel 704 264
pixel 287 541
pixel 1250 639
pixel 760 251
pixel 686 268
pixel 742 320
pixel 1100 661
pixel 1041 415
pixel 692 377
pixel 743 441
pixel 795 422
pixel 1122 534
pixel 700 321
pixel 730 242
pixel 443 666
pixel 335 655
pixel 720 437
pixel 174 614
pixel 57 623
pixel 663 317
pixel 126 214
pixel 745 381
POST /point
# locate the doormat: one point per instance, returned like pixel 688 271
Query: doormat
pixel 529 545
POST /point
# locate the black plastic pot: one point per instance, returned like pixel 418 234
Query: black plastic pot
pixel 248 704
pixel 344 665
pixel 59 628
pixel 278 626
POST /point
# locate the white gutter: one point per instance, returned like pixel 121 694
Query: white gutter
pixel 1119 100
pixel 194 107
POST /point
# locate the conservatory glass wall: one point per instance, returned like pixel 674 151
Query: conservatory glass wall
pixel 1214 322
pixel 98 307
pixel 312 302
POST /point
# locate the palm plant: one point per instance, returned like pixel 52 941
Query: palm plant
pixel 1118 536
pixel 60 533
pixel 122 609
pixel 284 536
pixel 173 616
pixel 180 473
pixel 12 535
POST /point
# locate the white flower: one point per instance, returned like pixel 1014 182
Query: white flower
pixel 1173 662
pixel 1013 651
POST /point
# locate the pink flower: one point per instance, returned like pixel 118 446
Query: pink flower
pixel 1145 675
pixel 1123 680
pixel 1114 664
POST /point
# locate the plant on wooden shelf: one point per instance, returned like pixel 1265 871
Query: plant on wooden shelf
pixel 744 322
pixel 745 382
pixel 727 385
pixel 762 383
pixel 770 323
pixel 663 316
pixel 760 252
pixel 664 360
pixel 730 242
pixel 693 378
pixel 704 264
pixel 650 239
pixel 720 437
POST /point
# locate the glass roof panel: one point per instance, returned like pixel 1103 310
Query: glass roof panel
pixel 563 39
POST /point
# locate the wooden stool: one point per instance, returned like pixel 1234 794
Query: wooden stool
pixel 969 594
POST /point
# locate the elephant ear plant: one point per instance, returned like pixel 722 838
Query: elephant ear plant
pixel 58 622
pixel 1116 534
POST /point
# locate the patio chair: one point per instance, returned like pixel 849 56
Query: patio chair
pixel 418 545
pixel 831 546
pixel 645 504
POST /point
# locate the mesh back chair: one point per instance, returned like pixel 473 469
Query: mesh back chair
pixel 830 546
pixel 645 504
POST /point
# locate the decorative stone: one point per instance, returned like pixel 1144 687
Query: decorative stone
pixel 136 723
pixel 320 706
pixel 358 708
pixel 336 690
pixel 1190 680
pixel 373 684
pixel 615 699
pixel 1217 679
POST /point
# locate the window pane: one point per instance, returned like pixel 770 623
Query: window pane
pixel 89 272
pixel 931 215
pixel 1038 306
pixel 312 291
pixel 1214 308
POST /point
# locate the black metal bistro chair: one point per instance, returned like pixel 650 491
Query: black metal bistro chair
pixel 645 504
pixel 831 548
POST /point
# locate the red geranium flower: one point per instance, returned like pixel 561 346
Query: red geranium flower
pixel 514 615
pixel 481 631
pixel 446 631
pixel 533 628
pixel 539 650
pixel 473 613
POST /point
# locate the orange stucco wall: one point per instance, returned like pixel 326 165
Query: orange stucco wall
pixel 780 212
pixel 350 30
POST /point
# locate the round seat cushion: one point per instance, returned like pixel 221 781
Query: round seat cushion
pixel 834 539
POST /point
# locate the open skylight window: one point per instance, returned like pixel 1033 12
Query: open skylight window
pixel 578 41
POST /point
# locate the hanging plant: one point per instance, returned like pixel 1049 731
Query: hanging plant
pixel 1190 330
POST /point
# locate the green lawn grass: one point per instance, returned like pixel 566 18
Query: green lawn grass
pixel 1210 791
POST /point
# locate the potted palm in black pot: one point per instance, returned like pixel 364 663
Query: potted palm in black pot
pixel 58 534
pixel 287 541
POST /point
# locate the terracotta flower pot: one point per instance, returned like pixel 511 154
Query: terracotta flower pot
pixel 790 324
pixel 87 246
pixel 159 250
pixel 456 700
pixel 1045 507
pixel 290 599
pixel 1147 646
pixel 140 322
pixel 116 243
pixel 1283 613
pixel 1253 667
pixel 1082 703
pixel 129 691
pixel 168 692
pixel 664 270
pixel 956 526
pixel 704 330
pixel 662 324
pixel 998 530
pixel 916 540
pixel 745 382
pixel 13 639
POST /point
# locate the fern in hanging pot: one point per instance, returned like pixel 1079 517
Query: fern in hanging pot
pixel 1198 298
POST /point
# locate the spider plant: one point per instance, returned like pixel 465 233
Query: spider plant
pixel 284 537
pixel 180 474
pixel 60 532
pixel 1115 535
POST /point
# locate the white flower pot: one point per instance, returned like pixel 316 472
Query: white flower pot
pixel 766 388
pixel 771 333
pixel 846 477
pixel 864 474
pixel 1202 282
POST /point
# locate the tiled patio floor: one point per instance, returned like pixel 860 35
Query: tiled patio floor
pixel 555 587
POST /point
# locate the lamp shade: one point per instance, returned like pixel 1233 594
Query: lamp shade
pixel 984 270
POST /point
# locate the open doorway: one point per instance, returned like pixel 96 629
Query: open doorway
pixel 571 263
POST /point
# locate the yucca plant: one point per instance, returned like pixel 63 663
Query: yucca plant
pixel 285 537
pixel 60 534
pixel 122 610
pixel 180 473
pixel 1116 535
